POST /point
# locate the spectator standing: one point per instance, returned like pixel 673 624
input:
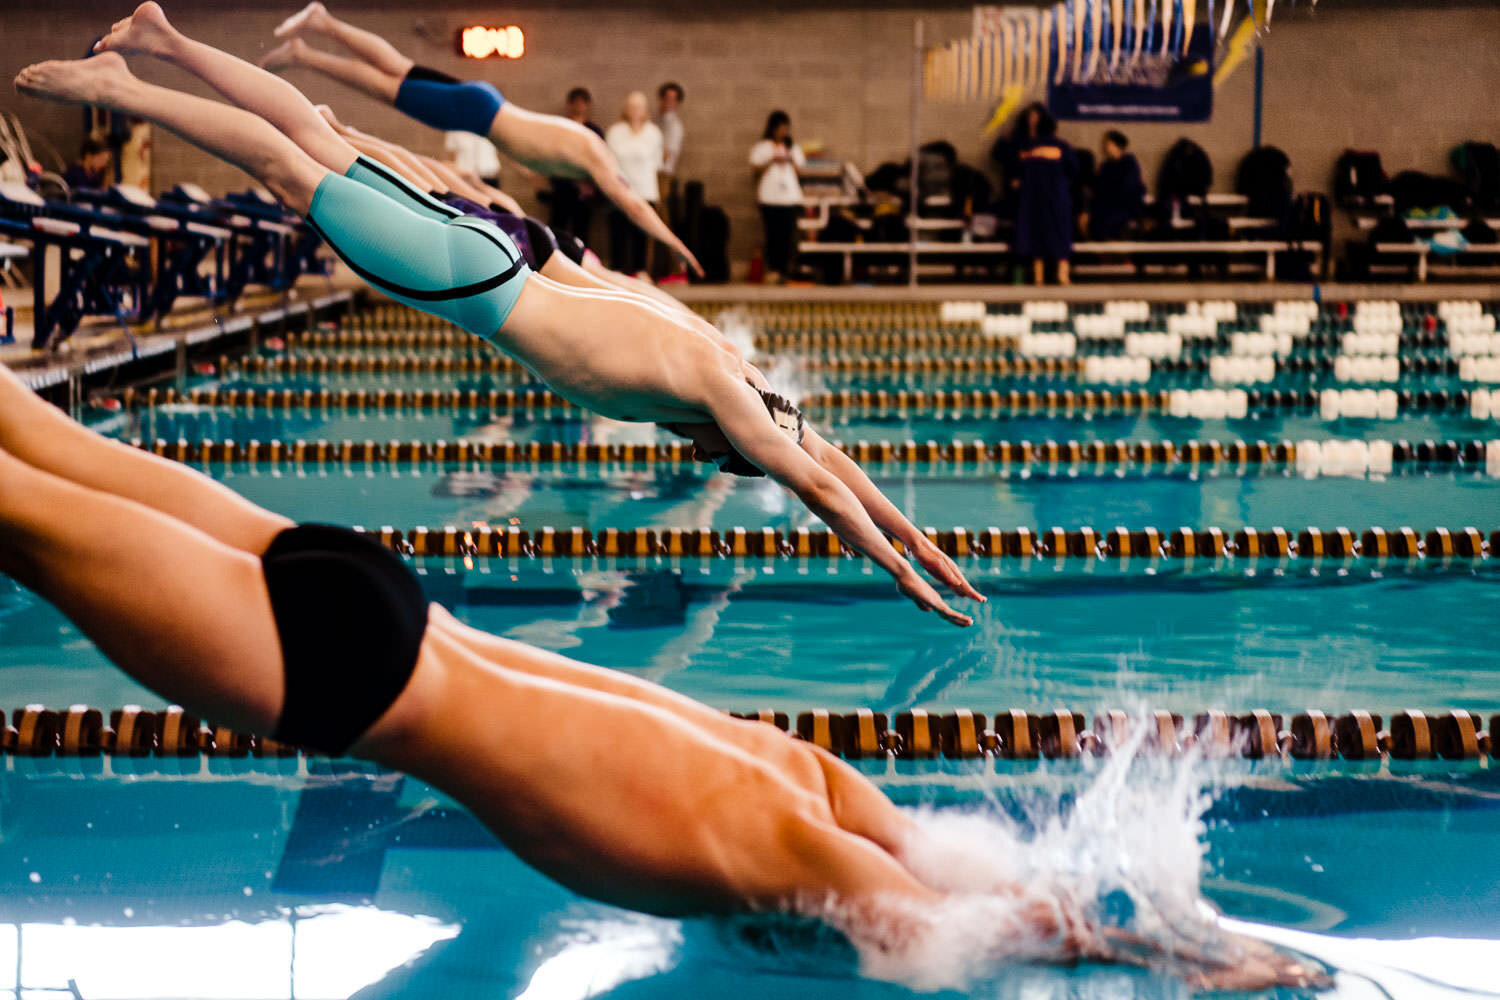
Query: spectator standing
pixel 777 160
pixel 91 171
pixel 637 144
pixel 573 200
pixel 1119 193
pixel 668 100
pixel 1044 168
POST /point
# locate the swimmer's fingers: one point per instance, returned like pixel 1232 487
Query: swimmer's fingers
pixel 692 262
pixel 925 597
pixel 937 562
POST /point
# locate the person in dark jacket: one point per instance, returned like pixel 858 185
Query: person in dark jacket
pixel 1042 178
pixel 1119 193
pixel 92 168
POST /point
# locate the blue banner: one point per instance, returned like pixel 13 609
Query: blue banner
pixel 1151 88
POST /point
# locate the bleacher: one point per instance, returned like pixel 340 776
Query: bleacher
pixel 124 255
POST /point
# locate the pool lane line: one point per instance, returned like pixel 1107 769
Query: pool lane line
pixel 1455 735
pixel 1371 545
pixel 1242 458
pixel 1097 370
pixel 1331 405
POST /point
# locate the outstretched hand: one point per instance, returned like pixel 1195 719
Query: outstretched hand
pixel 692 262
pixel 926 597
pixel 943 569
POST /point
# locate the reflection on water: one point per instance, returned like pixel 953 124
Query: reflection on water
pixel 315 952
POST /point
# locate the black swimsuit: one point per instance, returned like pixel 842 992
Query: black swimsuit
pixel 351 617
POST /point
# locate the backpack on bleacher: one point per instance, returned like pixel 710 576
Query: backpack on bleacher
pixel 1310 219
pixel 1479 232
pixel 1186 172
pixel 1265 179
pixel 1358 177
pixel 840 229
pixel 1478 163
pixel 1412 189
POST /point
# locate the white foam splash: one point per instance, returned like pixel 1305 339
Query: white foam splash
pixel 739 327
pixel 1129 852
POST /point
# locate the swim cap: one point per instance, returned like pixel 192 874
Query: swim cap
pixel 788 420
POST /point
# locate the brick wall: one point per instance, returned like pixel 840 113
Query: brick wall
pixel 1409 80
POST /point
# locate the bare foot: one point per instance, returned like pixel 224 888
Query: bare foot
pixel 312 17
pixel 146 31
pixel 288 53
pixel 75 81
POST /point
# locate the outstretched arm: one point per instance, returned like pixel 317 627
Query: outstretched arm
pixel 741 414
pixel 606 175
pixel 887 517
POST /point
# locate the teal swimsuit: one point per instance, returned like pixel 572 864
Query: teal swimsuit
pixel 417 250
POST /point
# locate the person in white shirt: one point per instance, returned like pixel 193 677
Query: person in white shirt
pixel 637 144
pixel 472 154
pixel 777 159
pixel 668 99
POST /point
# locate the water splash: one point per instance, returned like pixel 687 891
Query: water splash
pixel 739 327
pixel 1119 858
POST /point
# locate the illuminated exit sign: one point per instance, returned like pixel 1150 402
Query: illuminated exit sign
pixel 480 42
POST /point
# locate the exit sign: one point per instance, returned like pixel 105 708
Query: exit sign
pixel 481 42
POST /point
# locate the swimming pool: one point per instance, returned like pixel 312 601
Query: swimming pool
pixel 258 877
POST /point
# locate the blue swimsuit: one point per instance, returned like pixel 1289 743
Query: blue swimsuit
pixel 434 98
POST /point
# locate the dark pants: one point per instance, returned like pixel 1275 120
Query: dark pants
pixel 627 244
pixel 571 212
pixel 781 228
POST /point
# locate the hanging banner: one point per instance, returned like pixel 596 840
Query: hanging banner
pixel 1151 89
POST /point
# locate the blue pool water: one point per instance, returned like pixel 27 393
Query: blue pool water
pixel 237 879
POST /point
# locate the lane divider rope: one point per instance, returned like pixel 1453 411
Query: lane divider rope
pixel 1270 457
pixel 1013 734
pixel 1330 404
pixel 1277 543
pixel 1093 369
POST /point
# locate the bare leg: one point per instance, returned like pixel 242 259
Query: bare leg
pixel 1063 276
pixel 356 73
pixel 457 182
pixel 492 195
pixel 248 142
pixel 393 156
pixel 42 436
pixel 148 32
pixel 182 613
pixel 367 45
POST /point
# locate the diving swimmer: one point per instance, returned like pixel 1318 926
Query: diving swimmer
pixel 619 789
pixel 548 144
pixel 611 352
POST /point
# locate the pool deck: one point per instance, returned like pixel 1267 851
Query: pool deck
pixel 101 345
